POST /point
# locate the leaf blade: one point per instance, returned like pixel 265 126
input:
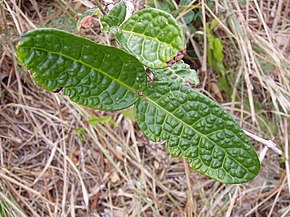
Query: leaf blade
pixel 93 75
pixel 180 72
pixel 199 129
pixel 153 36
pixel 114 18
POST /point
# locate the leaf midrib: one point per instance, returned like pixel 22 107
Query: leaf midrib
pixel 169 113
pixel 79 61
pixel 146 36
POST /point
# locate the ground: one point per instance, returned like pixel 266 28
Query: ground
pixel 55 161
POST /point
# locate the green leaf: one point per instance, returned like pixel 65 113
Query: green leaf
pixel 189 16
pixel 91 74
pixel 214 24
pixel 180 72
pixel 80 133
pixel 210 41
pixel 129 113
pixel 225 86
pixel 153 36
pixel 199 129
pixel 94 11
pixel 210 59
pixel 165 5
pixel 100 120
pixel 114 18
pixel 219 67
pixel 218 50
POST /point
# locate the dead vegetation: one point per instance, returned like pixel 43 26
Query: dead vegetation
pixel 54 163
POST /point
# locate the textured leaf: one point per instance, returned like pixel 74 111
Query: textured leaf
pixel 153 36
pixel 94 11
pixel 180 72
pixel 114 18
pixel 199 129
pixel 165 5
pixel 93 75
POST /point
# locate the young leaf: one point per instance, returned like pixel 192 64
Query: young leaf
pixel 153 36
pixel 114 18
pixel 218 50
pixel 210 59
pixel 199 129
pixel 180 72
pixel 129 113
pixel 101 120
pixel 91 74
pixel 94 11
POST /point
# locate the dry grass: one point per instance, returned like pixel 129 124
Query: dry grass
pixel 53 163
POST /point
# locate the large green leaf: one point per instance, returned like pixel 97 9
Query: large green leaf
pixel 114 18
pixel 180 72
pixel 91 74
pixel 153 36
pixel 199 129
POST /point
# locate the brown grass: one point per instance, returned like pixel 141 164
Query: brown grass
pixel 53 163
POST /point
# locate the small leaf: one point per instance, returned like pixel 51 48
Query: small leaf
pixel 153 36
pixel 100 120
pixel 214 24
pixel 207 29
pixel 199 129
pixel 189 16
pixel 225 86
pixel 219 67
pixel 91 74
pixel 80 133
pixel 211 41
pixel 210 59
pixel 218 50
pixel 94 11
pixel 129 113
pixel 180 72
pixel 114 18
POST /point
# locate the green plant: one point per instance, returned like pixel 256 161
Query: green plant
pixel 215 56
pixel 107 78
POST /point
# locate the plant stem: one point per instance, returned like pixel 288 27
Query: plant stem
pixel 204 68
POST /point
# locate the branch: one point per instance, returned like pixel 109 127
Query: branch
pixel 100 7
pixel 203 67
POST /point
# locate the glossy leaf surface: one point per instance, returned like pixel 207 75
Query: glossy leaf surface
pixel 153 36
pixel 91 74
pixel 180 72
pixel 114 18
pixel 199 129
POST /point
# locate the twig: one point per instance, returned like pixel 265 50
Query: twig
pixel 100 7
pixel 287 152
pixel 277 18
pixel 203 67
pixel 190 202
pixel 267 143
